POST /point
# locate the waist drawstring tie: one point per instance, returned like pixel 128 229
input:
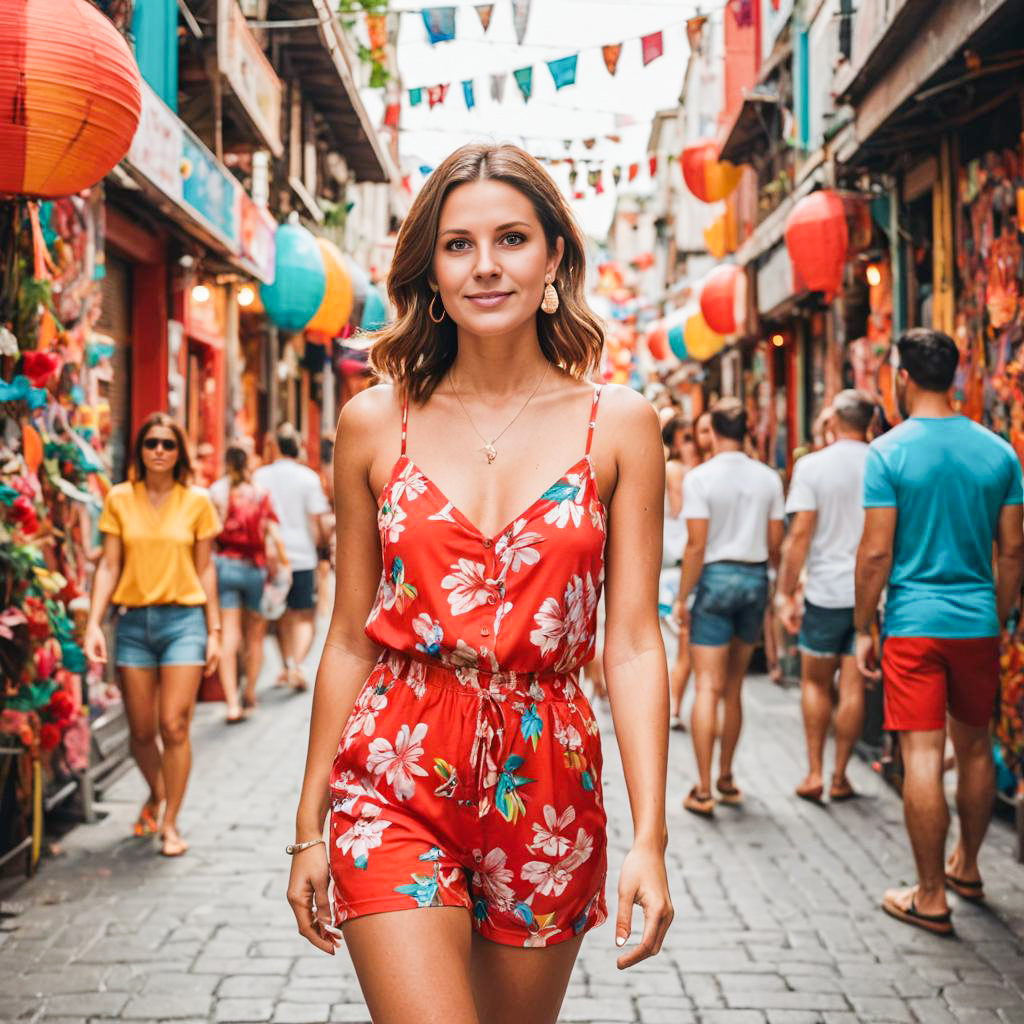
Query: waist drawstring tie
pixel 487 747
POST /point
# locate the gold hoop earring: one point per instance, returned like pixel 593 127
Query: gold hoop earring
pixel 550 301
pixel 430 310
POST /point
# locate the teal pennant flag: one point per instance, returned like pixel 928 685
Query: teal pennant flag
pixel 440 23
pixel 415 97
pixel 563 70
pixel 467 92
pixel 524 79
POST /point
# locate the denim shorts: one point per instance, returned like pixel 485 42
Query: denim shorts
pixel 826 632
pixel 161 634
pixel 730 602
pixel 239 583
pixel 302 596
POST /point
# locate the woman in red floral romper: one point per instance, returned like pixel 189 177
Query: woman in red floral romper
pixel 483 498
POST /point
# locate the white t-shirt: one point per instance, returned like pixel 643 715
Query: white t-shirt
pixel 296 494
pixel 831 483
pixel 738 496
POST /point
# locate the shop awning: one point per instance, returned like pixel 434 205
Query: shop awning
pixel 751 125
pixel 315 55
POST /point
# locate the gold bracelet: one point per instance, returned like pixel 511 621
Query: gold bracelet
pixel 292 848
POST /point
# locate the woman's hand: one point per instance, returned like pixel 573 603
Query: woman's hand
pixel 95 644
pixel 212 653
pixel 681 613
pixel 643 880
pixel 307 894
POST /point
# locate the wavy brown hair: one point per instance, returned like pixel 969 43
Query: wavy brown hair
pixel 414 352
pixel 183 464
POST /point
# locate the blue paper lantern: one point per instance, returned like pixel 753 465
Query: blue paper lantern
pixel 300 279
pixel 375 312
pixel 677 343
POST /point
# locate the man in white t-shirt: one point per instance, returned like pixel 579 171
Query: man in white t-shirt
pixel 826 502
pixel 300 505
pixel 733 508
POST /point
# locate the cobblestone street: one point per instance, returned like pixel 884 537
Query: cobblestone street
pixel 777 918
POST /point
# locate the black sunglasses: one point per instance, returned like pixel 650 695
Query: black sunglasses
pixel 167 443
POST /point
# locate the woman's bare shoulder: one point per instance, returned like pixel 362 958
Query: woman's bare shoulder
pixel 370 410
pixel 627 409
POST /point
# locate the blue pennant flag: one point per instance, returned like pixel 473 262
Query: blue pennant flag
pixel 524 79
pixel 415 97
pixel 467 91
pixel 563 71
pixel 425 169
pixel 440 23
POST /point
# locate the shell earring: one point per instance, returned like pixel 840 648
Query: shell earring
pixel 550 301
pixel 430 310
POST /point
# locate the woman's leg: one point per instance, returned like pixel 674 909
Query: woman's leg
pixel 732 719
pixel 679 675
pixel 231 640
pixel 512 985
pixel 710 666
pixel 139 688
pixel 255 629
pixel 179 687
pixel 414 966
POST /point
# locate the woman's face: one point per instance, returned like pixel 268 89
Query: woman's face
pixel 159 450
pixel 491 260
pixel 703 433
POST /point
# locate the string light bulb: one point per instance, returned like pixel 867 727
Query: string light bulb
pixel 874 275
pixel 200 293
pixel 246 296
pixel 778 340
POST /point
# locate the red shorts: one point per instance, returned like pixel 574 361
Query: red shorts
pixel 465 788
pixel 927 677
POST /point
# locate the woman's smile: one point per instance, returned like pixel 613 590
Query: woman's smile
pixel 488 300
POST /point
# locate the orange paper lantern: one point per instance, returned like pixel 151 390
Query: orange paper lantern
pixel 723 299
pixel 701 341
pixel 707 177
pixel 336 307
pixel 817 239
pixel 70 97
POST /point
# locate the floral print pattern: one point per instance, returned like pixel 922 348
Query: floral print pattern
pixel 469 771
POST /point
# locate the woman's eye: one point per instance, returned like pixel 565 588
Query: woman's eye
pixel 515 238
pixel 458 245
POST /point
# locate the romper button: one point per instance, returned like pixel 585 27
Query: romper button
pixel 487 543
pixel 485 632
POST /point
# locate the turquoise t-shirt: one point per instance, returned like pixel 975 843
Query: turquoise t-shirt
pixel 949 478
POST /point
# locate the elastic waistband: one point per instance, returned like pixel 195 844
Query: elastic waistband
pixel 483 678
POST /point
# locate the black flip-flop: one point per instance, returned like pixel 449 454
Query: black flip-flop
pixel 937 924
pixel 965 889
pixel 703 807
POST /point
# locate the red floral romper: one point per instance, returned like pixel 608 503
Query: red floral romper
pixel 469 772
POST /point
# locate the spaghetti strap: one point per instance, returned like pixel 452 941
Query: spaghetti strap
pixel 405 420
pixel 593 417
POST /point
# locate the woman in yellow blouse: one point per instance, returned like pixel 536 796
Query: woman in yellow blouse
pixel 157 567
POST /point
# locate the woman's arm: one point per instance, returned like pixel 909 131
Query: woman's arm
pixel 674 473
pixel 207 570
pixel 635 663
pixel 349 655
pixel 104 583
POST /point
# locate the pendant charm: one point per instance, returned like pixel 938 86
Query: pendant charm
pixel 490 452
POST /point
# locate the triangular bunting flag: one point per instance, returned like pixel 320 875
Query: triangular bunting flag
pixel 573 175
pixel 563 71
pixel 577 195
pixel 634 170
pixel 425 169
pixel 440 23
pixel 616 174
pixel 415 97
pixel 498 87
pixel 652 165
pixel 392 114
pixel 377 30
pixel 485 11
pixel 436 94
pixel 611 56
pixel 467 92
pixel 520 16
pixel 614 138
pixel 524 79
pixel 589 143
pixel 651 47
pixel 593 178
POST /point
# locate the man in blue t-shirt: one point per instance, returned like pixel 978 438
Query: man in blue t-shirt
pixel 939 491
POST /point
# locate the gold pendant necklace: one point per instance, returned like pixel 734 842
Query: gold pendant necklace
pixel 488 449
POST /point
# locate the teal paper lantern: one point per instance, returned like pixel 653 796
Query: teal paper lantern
pixel 300 279
pixel 677 343
pixel 375 313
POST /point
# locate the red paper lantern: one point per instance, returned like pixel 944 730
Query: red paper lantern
pixel 70 97
pixel 657 340
pixel 723 299
pixel 817 238
pixel 707 177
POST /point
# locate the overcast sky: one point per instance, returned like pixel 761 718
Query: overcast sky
pixel 557 28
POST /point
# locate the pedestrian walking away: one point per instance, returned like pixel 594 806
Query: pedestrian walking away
pixel 157 570
pixel 939 492
pixel 301 509
pixel 461 757
pixel 247 542
pixel 825 502
pixel 733 508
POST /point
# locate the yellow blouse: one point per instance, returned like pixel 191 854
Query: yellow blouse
pixel 158 564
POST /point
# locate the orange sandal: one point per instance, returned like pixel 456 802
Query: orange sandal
pixel 146 824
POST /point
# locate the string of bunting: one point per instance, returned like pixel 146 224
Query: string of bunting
pixel 563 72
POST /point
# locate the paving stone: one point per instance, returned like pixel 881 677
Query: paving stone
pixel 977 997
pixel 760 1000
pixel 249 986
pixel 301 1013
pixel 92 1004
pixel 228 1011
pixel 168 1006
pixel 597 1009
